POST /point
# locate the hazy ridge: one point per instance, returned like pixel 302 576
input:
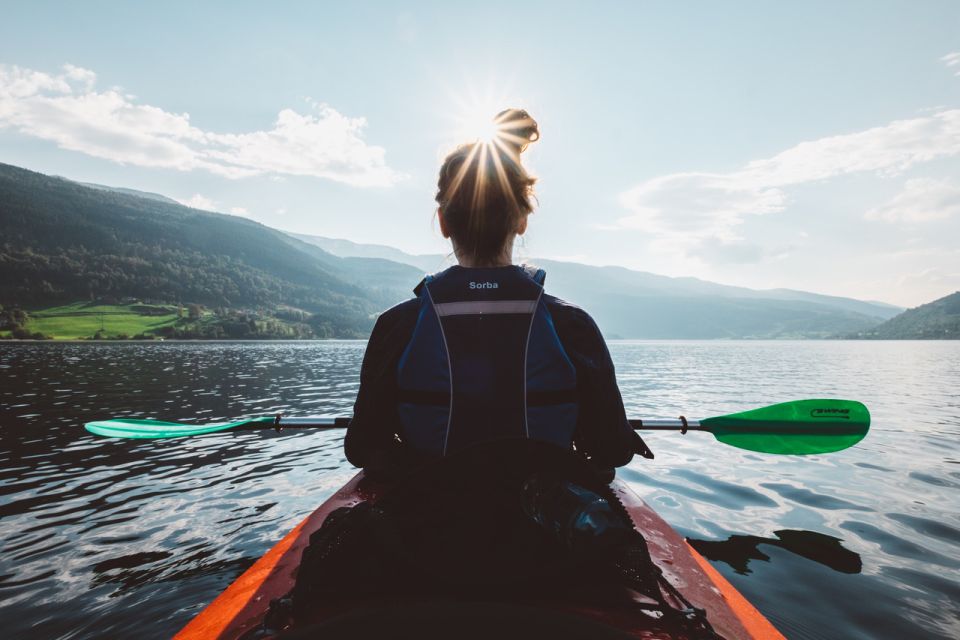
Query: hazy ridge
pixel 64 242
pixel 636 304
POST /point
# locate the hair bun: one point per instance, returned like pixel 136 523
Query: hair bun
pixel 517 129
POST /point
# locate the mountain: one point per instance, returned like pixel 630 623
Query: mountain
pixel 61 241
pixel 636 304
pixel 426 263
pixel 939 319
pixel 130 192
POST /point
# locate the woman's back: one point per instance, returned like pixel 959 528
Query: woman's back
pixel 482 353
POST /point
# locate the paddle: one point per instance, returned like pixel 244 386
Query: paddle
pixel 798 427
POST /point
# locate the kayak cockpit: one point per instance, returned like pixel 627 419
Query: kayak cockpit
pixel 443 619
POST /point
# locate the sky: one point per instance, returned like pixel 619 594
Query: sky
pixel 811 145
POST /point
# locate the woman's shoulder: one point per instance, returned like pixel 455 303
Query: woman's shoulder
pixel 398 315
pixel 579 333
pixel 565 311
pixel 576 328
pixel 401 309
pixel 390 334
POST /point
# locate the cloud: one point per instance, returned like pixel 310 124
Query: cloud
pixel 686 209
pixel 197 201
pixel 65 108
pixel 930 284
pixel 952 60
pixel 717 251
pixel 200 201
pixel 922 200
pixel 697 205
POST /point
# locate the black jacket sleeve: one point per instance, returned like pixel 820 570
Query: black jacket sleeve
pixel 603 433
pixel 371 436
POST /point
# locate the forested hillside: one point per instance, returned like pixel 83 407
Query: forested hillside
pixel 61 241
pixel 939 319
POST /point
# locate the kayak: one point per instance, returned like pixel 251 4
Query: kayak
pixel 241 608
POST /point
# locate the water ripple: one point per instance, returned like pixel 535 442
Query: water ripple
pixel 100 535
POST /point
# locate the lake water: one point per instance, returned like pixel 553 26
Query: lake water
pixel 110 538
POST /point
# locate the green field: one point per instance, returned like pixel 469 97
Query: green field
pixel 83 320
pixel 93 320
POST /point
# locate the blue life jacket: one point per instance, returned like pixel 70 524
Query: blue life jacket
pixel 485 363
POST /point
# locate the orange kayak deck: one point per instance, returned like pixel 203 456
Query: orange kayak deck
pixel 244 603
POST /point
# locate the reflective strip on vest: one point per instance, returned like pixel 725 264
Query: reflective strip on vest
pixel 486 306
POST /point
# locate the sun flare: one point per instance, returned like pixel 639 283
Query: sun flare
pixel 496 133
pixel 478 126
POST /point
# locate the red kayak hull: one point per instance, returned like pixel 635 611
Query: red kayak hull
pixel 243 604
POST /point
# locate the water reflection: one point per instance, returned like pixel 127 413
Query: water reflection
pixel 738 550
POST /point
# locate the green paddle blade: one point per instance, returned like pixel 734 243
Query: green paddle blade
pixel 134 428
pixel 800 427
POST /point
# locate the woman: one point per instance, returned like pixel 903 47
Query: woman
pixel 482 353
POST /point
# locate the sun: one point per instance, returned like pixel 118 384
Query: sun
pixel 476 124
pixel 492 134
pixel 472 110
